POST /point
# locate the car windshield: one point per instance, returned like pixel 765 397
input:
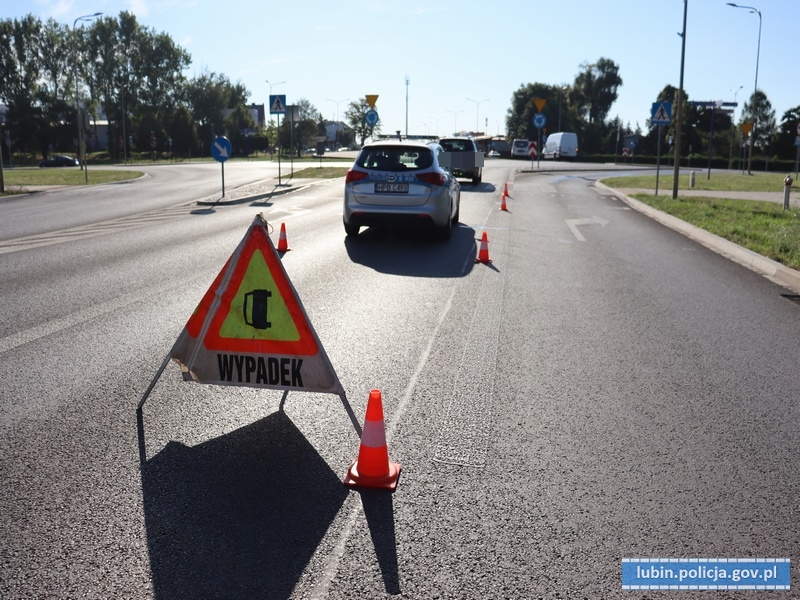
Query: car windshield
pixel 457 145
pixel 395 158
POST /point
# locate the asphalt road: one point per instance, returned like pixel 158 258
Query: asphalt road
pixel 605 388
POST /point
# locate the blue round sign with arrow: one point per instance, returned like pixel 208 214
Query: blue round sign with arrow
pixel 371 117
pixel 539 120
pixel 221 149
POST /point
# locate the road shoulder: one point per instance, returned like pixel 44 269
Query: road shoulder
pixel 774 271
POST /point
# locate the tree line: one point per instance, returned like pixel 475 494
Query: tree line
pixel 583 107
pixel 113 67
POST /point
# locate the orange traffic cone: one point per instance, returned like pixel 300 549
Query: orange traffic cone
pixel 483 253
pixel 372 468
pixel 283 245
pixel 505 189
pixel 503 203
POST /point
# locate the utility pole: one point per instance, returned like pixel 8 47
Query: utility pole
pixel 407 80
pixel 679 100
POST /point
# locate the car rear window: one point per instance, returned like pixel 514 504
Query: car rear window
pixel 521 143
pixel 457 145
pixel 395 158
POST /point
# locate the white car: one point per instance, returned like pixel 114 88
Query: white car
pixel 401 184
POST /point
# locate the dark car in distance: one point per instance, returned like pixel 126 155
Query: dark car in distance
pixel 60 161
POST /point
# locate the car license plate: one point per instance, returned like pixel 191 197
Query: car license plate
pixel 391 188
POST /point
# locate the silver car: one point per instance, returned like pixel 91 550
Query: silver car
pixel 401 184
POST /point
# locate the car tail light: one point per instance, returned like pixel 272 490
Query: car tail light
pixel 434 178
pixel 353 176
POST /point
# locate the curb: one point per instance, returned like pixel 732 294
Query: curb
pixel 282 190
pixel 771 269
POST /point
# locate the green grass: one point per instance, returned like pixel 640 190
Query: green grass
pixel 720 182
pixel 19 179
pixel 763 227
pixel 321 172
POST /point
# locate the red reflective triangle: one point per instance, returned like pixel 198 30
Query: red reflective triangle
pixel 234 326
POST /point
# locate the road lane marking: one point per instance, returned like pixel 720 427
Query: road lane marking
pixel 573 225
pixel 83 232
pixel 465 432
pixel 331 562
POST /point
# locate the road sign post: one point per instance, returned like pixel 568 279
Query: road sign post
pixel 221 150
pixel 539 121
pixel 277 106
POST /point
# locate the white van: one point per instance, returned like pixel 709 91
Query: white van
pixel 561 145
pixel 519 149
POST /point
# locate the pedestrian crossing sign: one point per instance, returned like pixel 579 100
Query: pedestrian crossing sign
pixel 661 113
pixel 277 104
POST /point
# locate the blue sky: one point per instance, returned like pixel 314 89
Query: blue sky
pixel 453 51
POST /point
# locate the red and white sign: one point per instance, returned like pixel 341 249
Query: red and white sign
pixel 532 149
pixel 798 128
pixel 624 153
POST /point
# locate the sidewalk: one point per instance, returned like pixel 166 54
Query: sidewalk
pixel 772 270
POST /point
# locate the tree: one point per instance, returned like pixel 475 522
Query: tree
pixel 354 115
pixel 784 141
pixel 595 89
pixel 760 108
pixel 236 125
pixel 519 117
pixel 20 81
pixel 305 127
pixel 207 95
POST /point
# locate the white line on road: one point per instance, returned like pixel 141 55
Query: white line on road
pixel 573 225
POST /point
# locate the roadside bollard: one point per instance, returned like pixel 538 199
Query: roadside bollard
pixel 691 179
pixel 787 186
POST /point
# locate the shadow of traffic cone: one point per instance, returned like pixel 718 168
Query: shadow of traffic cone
pixel 505 189
pixel 372 468
pixel 483 253
pixel 503 203
pixel 283 245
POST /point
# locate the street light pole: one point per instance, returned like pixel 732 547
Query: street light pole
pixel 455 116
pixel 437 119
pixel 677 168
pixel 336 116
pixel 407 82
pixel 733 125
pixel 755 89
pixel 81 144
pixel 477 106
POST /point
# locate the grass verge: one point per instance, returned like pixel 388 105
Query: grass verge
pixel 19 179
pixel 719 182
pixel 763 227
pixel 321 172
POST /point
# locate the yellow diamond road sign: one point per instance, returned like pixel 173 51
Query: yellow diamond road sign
pixel 372 99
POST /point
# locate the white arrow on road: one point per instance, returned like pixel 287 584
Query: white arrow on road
pixel 573 225
pixel 223 151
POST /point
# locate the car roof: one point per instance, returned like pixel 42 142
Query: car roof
pixel 409 143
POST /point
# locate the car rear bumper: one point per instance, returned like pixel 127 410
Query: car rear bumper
pixel 433 213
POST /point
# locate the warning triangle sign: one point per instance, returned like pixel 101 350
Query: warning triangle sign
pixel 277 106
pixel 251 329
